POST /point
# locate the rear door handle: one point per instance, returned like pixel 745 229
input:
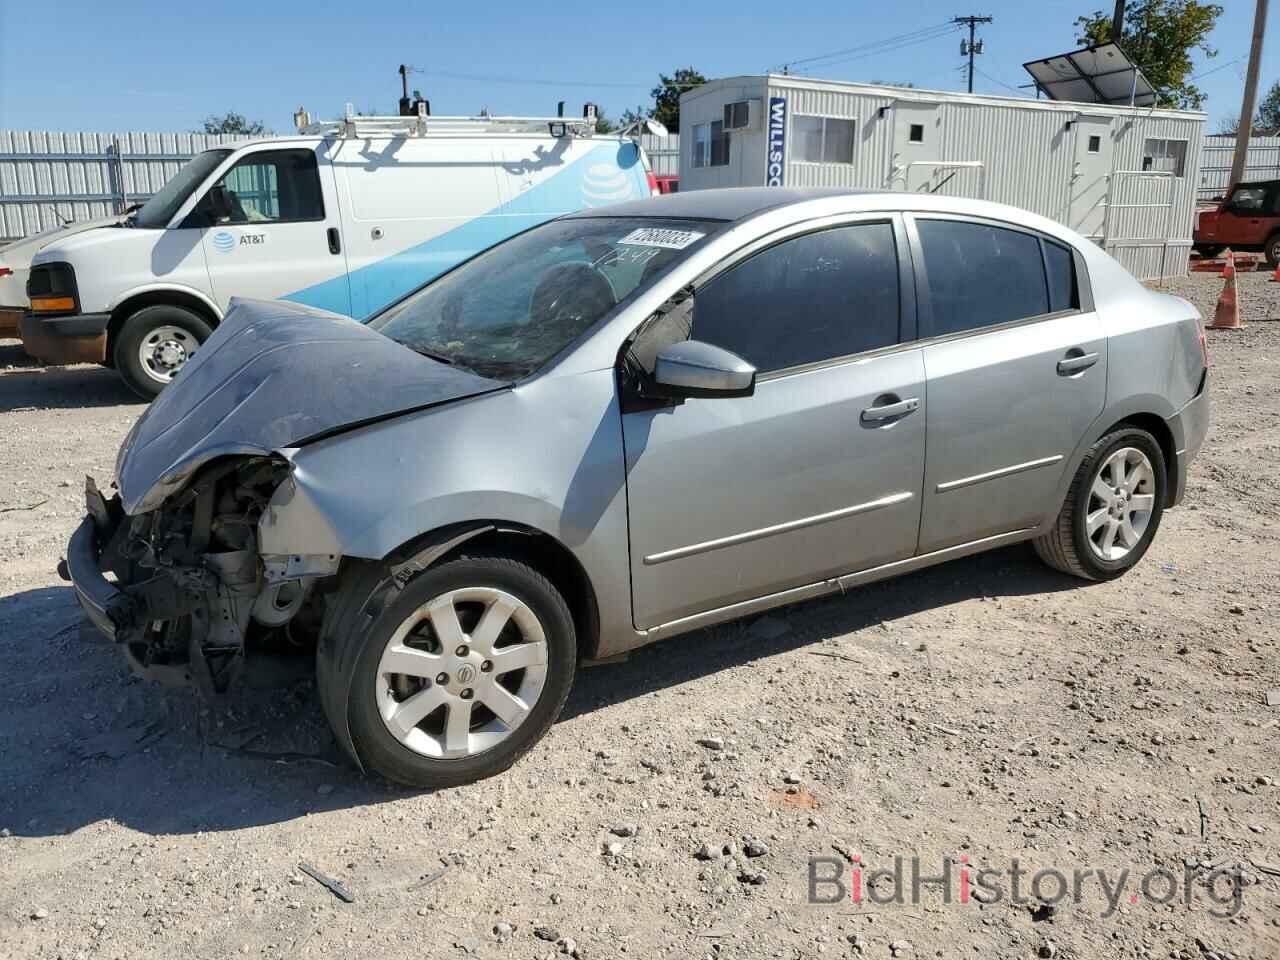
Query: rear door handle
pixel 1074 364
pixel 890 411
pixel 335 241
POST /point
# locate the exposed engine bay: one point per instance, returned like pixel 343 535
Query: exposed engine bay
pixel 196 594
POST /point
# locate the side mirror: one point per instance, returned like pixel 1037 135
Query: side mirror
pixel 692 368
pixel 218 203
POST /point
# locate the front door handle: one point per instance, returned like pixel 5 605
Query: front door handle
pixel 890 411
pixel 335 241
pixel 1075 361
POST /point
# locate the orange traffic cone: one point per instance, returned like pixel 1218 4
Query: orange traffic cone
pixel 1229 266
pixel 1226 316
pixel 1275 277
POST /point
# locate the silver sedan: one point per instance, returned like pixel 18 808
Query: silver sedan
pixel 625 425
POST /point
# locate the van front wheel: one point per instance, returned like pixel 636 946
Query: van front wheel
pixel 153 345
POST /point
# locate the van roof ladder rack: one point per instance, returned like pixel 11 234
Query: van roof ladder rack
pixel 352 126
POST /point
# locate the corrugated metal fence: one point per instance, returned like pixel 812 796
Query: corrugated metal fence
pixel 49 178
pixel 1262 163
pixel 663 153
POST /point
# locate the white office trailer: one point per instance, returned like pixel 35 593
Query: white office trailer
pixel 1123 176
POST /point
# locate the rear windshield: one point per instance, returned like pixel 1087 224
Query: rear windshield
pixel 509 310
pixel 159 210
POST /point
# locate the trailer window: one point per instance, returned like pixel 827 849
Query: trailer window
pixel 916 133
pixel 823 139
pixel 1165 156
pixel 710 144
pixel 1095 144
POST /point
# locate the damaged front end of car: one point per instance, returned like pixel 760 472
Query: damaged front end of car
pixel 184 589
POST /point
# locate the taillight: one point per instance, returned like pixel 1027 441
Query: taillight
pixel 653 184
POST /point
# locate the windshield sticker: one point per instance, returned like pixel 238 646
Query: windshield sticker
pixel 656 237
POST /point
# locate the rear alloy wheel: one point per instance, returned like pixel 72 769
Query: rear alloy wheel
pixel 462 673
pixel 154 344
pixel 1112 510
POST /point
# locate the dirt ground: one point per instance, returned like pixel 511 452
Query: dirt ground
pixel 980 713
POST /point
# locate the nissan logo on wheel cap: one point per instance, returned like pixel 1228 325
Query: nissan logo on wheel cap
pixel 466 673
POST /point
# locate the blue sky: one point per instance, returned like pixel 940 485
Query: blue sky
pixel 75 65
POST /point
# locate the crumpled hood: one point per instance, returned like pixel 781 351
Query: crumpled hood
pixel 273 375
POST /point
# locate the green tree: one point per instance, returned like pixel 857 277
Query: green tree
pixel 1161 35
pixel 1268 116
pixel 603 123
pixel 231 122
pixel 666 95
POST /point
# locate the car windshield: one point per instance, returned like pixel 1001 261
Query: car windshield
pixel 506 312
pixel 159 210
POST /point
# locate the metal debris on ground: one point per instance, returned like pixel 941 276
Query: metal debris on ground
pixel 335 887
pixel 430 878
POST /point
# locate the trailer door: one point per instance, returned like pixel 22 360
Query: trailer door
pixel 1090 176
pixel 917 137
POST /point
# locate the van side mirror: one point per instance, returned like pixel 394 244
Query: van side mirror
pixel 692 368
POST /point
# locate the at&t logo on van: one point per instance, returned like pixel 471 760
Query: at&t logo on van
pixel 224 241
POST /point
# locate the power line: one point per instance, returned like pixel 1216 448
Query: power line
pixel 997 81
pixel 876 46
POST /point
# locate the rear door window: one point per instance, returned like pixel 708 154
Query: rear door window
pixel 816 297
pixel 980 276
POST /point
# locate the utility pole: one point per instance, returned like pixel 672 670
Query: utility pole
pixel 973 46
pixel 1117 22
pixel 1250 95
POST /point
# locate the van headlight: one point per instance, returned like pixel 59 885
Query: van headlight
pixel 51 288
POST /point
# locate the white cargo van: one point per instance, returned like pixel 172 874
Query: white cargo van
pixel 347 216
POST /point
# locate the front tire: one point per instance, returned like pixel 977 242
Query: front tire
pixel 154 344
pixel 462 673
pixel 1112 510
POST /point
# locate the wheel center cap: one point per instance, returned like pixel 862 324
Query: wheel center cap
pixel 466 673
pixel 171 353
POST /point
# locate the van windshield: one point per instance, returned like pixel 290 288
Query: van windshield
pixel 156 213
pixel 509 310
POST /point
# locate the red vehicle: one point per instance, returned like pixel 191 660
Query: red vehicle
pixel 1248 219
pixel 667 182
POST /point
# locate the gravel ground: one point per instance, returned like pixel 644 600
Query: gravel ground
pixel 976 714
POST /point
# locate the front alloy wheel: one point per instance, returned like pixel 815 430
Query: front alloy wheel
pixel 462 672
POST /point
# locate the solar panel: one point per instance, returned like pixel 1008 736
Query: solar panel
pixel 1101 74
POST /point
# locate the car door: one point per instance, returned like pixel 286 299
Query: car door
pixel 282 237
pixel 817 473
pixel 1016 364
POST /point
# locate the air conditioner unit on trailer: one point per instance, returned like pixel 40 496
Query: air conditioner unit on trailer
pixel 742 115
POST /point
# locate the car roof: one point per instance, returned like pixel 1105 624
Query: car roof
pixel 724 203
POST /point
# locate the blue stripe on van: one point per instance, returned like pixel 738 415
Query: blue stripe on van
pixel 608 174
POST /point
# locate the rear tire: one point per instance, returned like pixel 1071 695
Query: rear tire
pixel 420 745
pixel 1100 534
pixel 1272 251
pixel 153 345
